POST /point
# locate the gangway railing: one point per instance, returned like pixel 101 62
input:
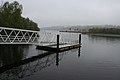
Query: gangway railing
pixel 18 36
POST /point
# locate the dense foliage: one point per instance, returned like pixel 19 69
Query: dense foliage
pixel 10 16
pixel 105 30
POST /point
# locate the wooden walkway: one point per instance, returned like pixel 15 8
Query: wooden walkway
pixel 59 47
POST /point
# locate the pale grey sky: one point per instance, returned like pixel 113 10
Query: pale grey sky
pixel 71 12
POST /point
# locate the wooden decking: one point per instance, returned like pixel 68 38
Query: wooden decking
pixel 62 47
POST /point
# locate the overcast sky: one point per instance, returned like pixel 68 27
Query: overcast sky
pixel 71 12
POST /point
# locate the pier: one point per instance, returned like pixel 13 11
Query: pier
pixel 49 41
pixel 59 42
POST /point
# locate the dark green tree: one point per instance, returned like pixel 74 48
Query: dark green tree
pixel 10 16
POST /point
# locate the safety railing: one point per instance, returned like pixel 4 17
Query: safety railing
pixel 18 36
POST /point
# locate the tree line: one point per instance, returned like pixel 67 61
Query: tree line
pixel 10 16
pixel 105 30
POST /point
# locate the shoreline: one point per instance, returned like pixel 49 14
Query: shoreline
pixel 94 34
pixel 105 35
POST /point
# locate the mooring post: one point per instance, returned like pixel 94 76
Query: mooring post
pixel 79 39
pixel 57 43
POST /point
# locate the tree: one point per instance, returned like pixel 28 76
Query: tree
pixel 10 16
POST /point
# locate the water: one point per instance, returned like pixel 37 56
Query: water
pixel 99 59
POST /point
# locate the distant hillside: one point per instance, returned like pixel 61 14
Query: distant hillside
pixel 54 28
pixel 82 28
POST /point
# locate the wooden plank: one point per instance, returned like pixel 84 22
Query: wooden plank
pixel 61 47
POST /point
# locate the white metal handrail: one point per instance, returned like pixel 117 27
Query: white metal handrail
pixel 18 36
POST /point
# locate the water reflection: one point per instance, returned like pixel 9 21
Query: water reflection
pixel 25 70
pixel 10 54
pixel 57 59
pixel 106 38
pixel 79 51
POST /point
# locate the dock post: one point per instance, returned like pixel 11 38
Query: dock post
pixel 57 43
pixel 79 39
pixel 57 54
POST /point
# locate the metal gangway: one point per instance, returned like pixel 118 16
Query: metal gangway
pixel 18 36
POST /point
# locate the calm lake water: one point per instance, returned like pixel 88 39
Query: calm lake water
pixel 97 59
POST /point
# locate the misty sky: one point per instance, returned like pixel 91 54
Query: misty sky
pixel 71 12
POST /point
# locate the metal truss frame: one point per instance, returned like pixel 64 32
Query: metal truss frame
pixel 18 36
